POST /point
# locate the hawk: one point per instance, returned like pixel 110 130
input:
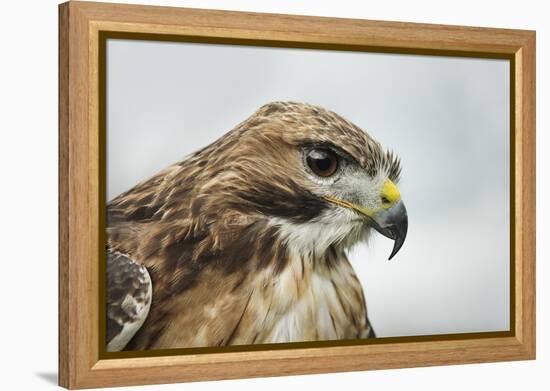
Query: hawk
pixel 245 241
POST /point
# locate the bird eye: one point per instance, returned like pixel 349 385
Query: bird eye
pixel 322 162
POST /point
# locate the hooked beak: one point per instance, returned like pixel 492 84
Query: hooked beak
pixel 391 220
pixel 392 223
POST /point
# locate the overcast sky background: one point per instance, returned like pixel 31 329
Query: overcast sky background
pixel 446 117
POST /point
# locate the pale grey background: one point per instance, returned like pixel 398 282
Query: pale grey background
pixel 446 117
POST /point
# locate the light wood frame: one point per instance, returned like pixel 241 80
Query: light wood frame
pixel 81 363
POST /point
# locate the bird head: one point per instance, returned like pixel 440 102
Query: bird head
pixel 316 176
pixel 359 199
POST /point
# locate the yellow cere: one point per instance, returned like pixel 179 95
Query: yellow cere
pixel 390 194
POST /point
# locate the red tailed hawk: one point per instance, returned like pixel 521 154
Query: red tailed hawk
pixel 244 242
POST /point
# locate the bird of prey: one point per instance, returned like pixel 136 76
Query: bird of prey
pixel 245 241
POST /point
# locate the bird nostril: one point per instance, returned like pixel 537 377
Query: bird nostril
pixel 385 201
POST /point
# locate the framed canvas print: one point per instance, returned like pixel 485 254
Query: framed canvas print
pixel 232 186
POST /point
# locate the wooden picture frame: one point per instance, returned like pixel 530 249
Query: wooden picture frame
pixel 83 28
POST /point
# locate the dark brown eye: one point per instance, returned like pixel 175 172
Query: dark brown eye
pixel 322 162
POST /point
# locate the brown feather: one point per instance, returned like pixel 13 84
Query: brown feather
pixel 221 273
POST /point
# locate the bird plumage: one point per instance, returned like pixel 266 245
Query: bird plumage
pixel 240 242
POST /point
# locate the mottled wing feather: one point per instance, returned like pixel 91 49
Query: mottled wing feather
pixel 129 291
